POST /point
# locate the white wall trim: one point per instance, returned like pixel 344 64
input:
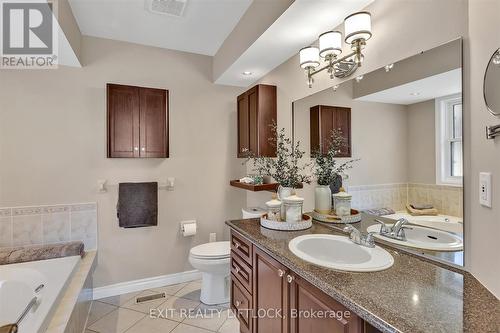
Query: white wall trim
pixel 147 283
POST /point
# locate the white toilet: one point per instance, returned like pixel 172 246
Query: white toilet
pixel 212 260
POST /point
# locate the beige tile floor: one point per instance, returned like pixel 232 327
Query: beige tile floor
pixel 118 314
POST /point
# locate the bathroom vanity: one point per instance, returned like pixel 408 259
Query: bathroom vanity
pixel 272 290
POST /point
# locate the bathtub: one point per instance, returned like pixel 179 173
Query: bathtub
pixel 441 222
pixel 18 283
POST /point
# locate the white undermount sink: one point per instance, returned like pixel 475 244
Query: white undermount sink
pixel 424 238
pixel 339 252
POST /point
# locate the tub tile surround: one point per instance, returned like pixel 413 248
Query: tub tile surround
pixel 37 225
pixel 447 199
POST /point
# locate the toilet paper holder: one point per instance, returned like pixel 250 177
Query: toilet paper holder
pixel 186 230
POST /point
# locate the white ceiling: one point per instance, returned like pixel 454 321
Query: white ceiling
pixel 202 29
pixel 431 87
pixel 297 27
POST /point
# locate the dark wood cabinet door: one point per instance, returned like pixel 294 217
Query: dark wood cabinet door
pixel 324 119
pixel 243 126
pixel 257 110
pixel 267 108
pixel 137 121
pixel 306 300
pixel 342 121
pixel 153 122
pixel 123 120
pixel 270 294
pixel 253 120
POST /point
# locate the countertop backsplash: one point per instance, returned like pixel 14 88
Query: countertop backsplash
pixel 36 225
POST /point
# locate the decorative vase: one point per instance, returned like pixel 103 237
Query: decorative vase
pixel 336 184
pixel 323 199
pixel 284 192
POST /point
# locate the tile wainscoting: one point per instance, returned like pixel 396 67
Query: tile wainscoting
pixel 35 225
pixel 377 196
pixel 447 199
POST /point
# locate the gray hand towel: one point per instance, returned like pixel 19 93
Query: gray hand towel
pixel 137 204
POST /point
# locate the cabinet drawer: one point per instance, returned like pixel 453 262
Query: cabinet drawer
pixel 241 304
pixel 241 271
pixel 242 247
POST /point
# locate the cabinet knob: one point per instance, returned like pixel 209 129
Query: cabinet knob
pixel 236 245
pixel 237 303
pixel 281 272
pixel 237 269
pixel 289 278
pixel 143 149
pixel 136 148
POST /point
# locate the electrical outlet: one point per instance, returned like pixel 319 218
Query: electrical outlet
pixel 485 189
pixel 213 237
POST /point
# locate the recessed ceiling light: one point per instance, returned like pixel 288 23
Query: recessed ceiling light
pixel 335 87
pixel 389 67
pixel 415 93
pixel 247 73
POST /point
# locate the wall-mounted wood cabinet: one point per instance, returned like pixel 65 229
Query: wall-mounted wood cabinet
pixel 256 112
pixel 137 121
pixel 324 119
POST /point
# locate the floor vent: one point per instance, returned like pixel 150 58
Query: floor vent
pixel 148 298
pixel 168 7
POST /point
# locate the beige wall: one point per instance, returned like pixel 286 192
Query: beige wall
pixel 422 142
pixel 482 239
pixel 53 150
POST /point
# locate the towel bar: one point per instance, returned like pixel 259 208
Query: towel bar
pixel 492 132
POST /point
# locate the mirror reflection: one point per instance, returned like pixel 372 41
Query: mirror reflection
pixel 404 124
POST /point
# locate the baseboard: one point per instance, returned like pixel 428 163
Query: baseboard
pixel 147 283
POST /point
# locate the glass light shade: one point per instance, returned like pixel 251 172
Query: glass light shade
pixel 309 57
pixel 330 43
pixel 358 26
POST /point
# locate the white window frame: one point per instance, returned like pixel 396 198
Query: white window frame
pixel 444 126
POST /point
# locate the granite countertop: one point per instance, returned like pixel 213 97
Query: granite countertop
pixel 412 296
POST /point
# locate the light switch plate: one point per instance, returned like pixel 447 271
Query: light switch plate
pixel 485 189
pixel 213 237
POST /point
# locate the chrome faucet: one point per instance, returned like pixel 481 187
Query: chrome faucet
pixel 397 231
pixel 358 238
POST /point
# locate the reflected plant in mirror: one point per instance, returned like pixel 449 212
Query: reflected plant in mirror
pixel 328 172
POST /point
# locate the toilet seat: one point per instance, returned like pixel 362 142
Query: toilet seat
pixel 211 251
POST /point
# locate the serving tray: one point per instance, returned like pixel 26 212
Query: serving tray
pixel 306 223
pixel 332 218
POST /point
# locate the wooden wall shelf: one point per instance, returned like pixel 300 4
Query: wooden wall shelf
pixel 255 188
pixel 273 187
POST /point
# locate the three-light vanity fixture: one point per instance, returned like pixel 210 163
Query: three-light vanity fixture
pixel 357 28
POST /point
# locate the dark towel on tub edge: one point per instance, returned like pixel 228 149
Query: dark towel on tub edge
pixel 137 204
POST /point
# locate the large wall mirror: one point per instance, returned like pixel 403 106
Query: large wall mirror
pixel 404 124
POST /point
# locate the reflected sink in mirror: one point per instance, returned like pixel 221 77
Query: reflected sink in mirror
pixel 340 253
pixel 423 238
pixel 441 222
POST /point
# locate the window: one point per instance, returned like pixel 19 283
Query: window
pixel 449 150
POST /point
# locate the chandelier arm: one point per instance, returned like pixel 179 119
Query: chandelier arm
pixel 332 63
